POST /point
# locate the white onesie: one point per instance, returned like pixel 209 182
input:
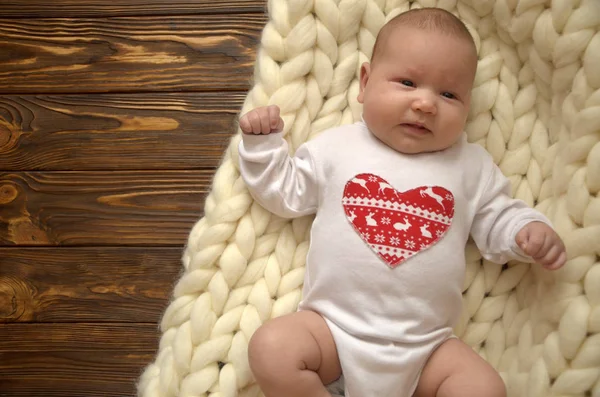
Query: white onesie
pixel 386 261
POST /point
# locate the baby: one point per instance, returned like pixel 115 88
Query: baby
pixel 396 197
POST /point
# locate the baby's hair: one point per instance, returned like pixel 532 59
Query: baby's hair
pixel 432 19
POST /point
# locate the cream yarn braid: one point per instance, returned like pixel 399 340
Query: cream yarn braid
pixel 536 108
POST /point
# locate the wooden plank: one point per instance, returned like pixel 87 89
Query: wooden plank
pixel 74 359
pixel 98 284
pixel 118 131
pixel 71 374
pixel 100 208
pixel 78 9
pixel 185 53
pixel 78 337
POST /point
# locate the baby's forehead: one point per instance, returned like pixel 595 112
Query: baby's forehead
pixel 425 44
pixel 429 19
pixel 427 40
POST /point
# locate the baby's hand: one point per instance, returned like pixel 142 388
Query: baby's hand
pixel 263 120
pixel 541 242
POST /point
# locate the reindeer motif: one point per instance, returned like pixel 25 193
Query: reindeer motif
pixel 385 185
pixel 402 225
pixel 361 182
pixel 429 192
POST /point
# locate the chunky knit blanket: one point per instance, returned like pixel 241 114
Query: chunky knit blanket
pixel 536 109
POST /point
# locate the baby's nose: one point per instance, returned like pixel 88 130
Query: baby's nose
pixel 425 103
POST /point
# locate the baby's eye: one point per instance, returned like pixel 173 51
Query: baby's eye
pixel 407 83
pixel 448 95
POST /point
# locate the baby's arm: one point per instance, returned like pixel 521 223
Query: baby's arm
pixel 284 185
pixel 505 228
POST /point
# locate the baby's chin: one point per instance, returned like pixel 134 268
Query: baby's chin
pixel 408 145
pixel 415 149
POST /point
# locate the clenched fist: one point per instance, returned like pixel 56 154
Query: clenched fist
pixel 541 242
pixel 263 120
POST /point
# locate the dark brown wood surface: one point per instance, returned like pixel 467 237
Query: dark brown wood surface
pixel 120 131
pixel 73 373
pixel 74 359
pixel 184 53
pixel 107 8
pixel 113 118
pixel 96 284
pixel 100 207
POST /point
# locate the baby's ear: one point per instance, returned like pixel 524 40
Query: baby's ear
pixel 365 72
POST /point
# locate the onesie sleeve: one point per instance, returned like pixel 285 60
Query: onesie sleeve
pixel 284 185
pixel 498 219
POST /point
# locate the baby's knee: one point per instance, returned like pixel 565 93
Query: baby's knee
pixel 483 381
pixel 497 386
pixel 265 348
pixel 488 383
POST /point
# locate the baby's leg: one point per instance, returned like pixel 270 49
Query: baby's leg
pixel 455 370
pixel 294 356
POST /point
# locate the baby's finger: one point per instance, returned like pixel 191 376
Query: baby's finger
pixel 254 120
pixel 558 263
pixel 245 124
pixel 550 257
pixel 279 126
pixel 535 243
pixel 274 116
pixel 265 122
pixel 522 237
pixel 545 248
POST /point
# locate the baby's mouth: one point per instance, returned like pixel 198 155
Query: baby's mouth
pixel 417 127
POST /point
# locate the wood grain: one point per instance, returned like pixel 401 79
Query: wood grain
pixel 105 284
pixel 70 360
pixel 80 337
pixel 116 131
pixel 77 8
pixel 113 117
pixel 100 208
pixel 71 374
pixel 187 53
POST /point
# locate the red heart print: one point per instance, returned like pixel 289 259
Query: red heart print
pixel 397 225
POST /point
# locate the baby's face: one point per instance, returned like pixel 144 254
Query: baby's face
pixel 416 94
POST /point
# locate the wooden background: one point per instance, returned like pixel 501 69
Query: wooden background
pixel 113 119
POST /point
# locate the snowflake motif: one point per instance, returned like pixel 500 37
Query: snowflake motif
pixel 448 196
pixel 423 246
pixel 372 179
pixel 409 244
pixel 379 238
pixel 367 236
pixel 395 241
pixel 438 233
pixel 385 221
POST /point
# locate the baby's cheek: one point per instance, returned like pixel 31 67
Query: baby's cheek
pixel 457 126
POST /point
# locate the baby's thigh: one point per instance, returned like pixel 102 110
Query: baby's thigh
pixel 297 341
pixel 455 369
